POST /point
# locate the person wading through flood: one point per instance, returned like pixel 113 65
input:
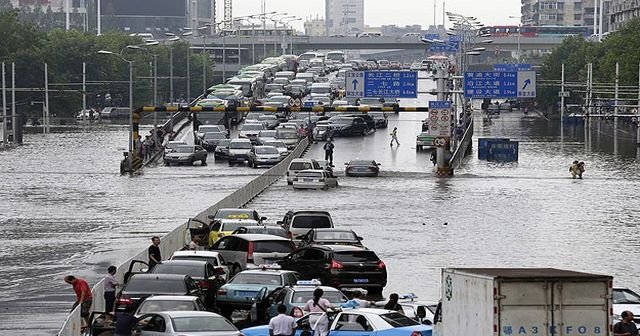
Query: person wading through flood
pixel 328 151
pixel 394 137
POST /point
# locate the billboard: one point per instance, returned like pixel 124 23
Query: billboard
pixel 144 7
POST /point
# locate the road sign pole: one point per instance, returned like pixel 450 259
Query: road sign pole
pixel 562 98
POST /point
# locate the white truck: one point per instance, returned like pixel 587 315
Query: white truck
pixel 524 302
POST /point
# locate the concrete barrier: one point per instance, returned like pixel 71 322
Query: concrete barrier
pixel 176 239
pixel 464 148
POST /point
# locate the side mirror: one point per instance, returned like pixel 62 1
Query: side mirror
pixel 263 218
pixel 280 223
pixel 360 238
pixel 378 164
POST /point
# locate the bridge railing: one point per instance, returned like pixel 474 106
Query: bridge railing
pixel 464 147
pixel 177 238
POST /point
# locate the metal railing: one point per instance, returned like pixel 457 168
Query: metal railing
pixel 464 147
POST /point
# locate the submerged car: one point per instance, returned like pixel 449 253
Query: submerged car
pixel 362 168
pixel 264 155
pixel 186 154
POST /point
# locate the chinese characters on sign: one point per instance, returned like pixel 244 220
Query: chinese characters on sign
pixel 500 84
pixel 440 118
pixel 382 84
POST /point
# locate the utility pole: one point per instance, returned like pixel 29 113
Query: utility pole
pixel 14 117
pixel 67 14
pixel 84 91
pixel 562 97
pixel 99 21
pixel 638 112
pixel 4 107
pixel 617 96
pixel 46 97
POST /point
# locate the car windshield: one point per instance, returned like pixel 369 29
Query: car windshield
pixel 183 149
pixel 311 222
pixel 361 163
pixel 267 134
pixel 267 117
pixel 152 306
pixel 234 213
pixel 202 324
pixel 341 121
pixel 335 235
pixel 223 143
pixel 266 150
pixel 398 320
pixel 320 89
pixel 625 296
pixel 240 145
pixel 174 144
pixel 205 129
pixel 212 260
pixel 356 256
pixel 286 135
pixel 232 226
pixel 302 296
pixel 300 166
pixel 272 246
pixel 155 285
pixel 214 135
pixel 252 127
pixel 195 271
pixel 256 279
pixel 276 144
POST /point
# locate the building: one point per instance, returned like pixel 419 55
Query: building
pixel 393 30
pixel 315 27
pixel 622 11
pixel 562 13
pixel 344 17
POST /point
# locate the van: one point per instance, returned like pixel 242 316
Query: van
pixel 114 112
pixel 298 222
pixel 297 165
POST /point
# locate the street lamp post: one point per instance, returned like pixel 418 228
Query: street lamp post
pixel 188 33
pixel 204 58
pixel 284 41
pixel 171 38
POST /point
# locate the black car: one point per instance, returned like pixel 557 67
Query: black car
pixel 210 140
pixel 362 168
pixel 331 237
pixel 371 122
pixel 142 285
pixel 347 126
pixel 222 150
pixel 340 266
pixel 204 273
pixel 379 118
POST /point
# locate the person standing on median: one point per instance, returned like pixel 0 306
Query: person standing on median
pixel 154 253
pixel 84 298
pixel 282 324
pixel 328 151
pixel 110 284
pixel 394 136
pixel 626 327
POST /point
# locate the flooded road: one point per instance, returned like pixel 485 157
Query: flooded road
pixel 65 209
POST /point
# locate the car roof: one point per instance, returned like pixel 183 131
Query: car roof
pixel 171 298
pixel 237 220
pixel 259 237
pixel 297 212
pixel 339 248
pixel 240 139
pixel 158 276
pixel 185 262
pixel 185 313
pixel 331 230
pixel 262 271
pixel 312 288
pixel 199 253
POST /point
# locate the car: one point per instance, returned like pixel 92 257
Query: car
pixel 238 213
pixel 322 131
pixel 288 135
pixel 140 286
pixel 340 266
pixel 360 321
pixel 264 155
pixel 362 168
pixel 280 101
pixel 271 120
pixel 175 323
pixel 265 306
pixel 210 140
pixel 331 237
pixel 394 65
pixel 171 145
pixel 186 154
pixel 299 222
pixel 314 179
pixel 279 145
pixel 239 150
pixel 266 135
pixel 626 299
pixel 371 123
pixel 241 291
pixel 214 258
pixel 160 303
pixel 251 130
pixel 205 274
pixel 202 129
pixel 300 164
pixel 224 227
pixel 424 140
pixel 242 251
pixel 348 126
pixel 263 229
pixel 420 311
pixel 222 150
pixel 380 119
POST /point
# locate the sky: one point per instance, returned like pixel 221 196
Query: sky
pixel 383 12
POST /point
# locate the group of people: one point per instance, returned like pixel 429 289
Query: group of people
pixel 576 169
pixel 146 148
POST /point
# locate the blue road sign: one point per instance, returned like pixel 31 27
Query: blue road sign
pixel 432 36
pixel 439 104
pixel 389 84
pixel 309 104
pixel 512 67
pixel 496 84
pixel 455 38
pixel 500 150
pixel 444 47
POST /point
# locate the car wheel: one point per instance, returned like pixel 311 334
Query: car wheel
pixel 418 148
pixel 230 163
pixel 167 164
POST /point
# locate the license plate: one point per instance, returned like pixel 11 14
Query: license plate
pixel 308 180
pixel 360 280
pixel 245 293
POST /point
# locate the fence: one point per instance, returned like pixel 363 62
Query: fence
pixel 176 239
pixel 463 148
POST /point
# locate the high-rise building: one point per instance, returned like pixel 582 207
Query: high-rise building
pixel 622 11
pixel 563 13
pixel 315 27
pixel 344 17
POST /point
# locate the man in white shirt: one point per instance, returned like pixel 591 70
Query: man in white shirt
pixel 357 297
pixel 283 324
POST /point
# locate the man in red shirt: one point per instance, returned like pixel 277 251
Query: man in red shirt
pixel 83 297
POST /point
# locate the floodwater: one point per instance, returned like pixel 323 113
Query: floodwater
pixel 64 208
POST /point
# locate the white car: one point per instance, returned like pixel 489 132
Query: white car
pixel 314 179
pixel 160 303
pixel 214 258
pixel 171 145
pixel 626 299
pixel 184 323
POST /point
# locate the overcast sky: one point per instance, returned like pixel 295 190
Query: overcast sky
pixel 399 12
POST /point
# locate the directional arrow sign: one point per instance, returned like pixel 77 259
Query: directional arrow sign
pixel 356 79
pixel 526 84
pixel 355 84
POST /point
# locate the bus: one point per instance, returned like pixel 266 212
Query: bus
pixel 335 56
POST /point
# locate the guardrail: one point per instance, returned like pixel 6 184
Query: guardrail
pixel 176 239
pixel 464 147
pixel 363 108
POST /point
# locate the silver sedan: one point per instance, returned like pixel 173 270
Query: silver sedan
pixel 184 323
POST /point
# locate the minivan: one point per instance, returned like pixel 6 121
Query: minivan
pixel 298 165
pixel 242 251
pixel 298 223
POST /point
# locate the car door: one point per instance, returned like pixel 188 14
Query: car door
pixel 312 263
pixel 197 228
pixel 292 261
pixel 222 246
pixel 359 126
pixel 149 325
pixel 351 324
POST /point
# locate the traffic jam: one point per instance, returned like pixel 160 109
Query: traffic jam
pixel 240 270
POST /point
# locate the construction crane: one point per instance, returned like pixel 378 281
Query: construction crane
pixel 228 14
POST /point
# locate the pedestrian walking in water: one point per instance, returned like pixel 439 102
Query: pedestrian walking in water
pixel 154 253
pixel 394 137
pixel 110 284
pixel 328 151
pixel 393 304
pixel 84 298
pixel 573 169
pixel 580 169
pixel 282 324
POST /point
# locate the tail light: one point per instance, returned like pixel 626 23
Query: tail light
pixel 290 235
pixel 336 265
pixel 203 284
pixel 416 333
pixel 222 291
pixel 381 265
pixel 250 253
pixel 123 300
